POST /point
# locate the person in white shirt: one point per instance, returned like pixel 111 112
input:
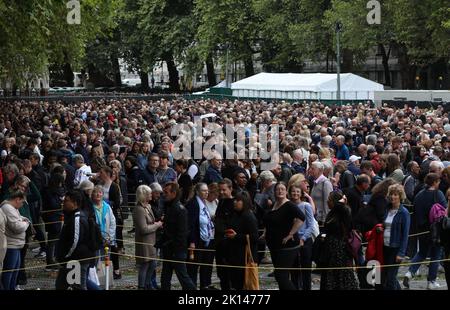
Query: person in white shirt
pixel 212 199
pixel 16 226
pixel 83 171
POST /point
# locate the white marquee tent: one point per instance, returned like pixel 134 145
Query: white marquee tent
pixel 316 86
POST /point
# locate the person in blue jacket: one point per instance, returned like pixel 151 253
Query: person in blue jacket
pixel 396 229
pixel 342 152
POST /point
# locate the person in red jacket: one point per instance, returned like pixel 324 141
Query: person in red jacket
pixel 375 241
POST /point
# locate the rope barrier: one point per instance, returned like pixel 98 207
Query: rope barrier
pixel 211 250
pixel 47 211
pixel 47 223
pixel 34 242
pixel 283 268
pixel 243 267
pixel 49 265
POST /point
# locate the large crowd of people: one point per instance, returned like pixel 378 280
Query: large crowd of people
pixel 72 174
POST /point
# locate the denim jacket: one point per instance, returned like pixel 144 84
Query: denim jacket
pixel 399 229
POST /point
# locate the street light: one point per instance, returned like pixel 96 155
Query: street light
pixel 378 54
pixel 222 47
pixel 338 31
pixel 226 69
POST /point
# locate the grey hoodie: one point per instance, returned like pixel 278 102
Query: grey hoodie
pixel 16 226
pixel 3 243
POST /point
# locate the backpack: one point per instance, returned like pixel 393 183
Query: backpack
pixel 437 212
pixel 95 235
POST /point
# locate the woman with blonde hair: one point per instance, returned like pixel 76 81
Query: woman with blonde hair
pixel 396 229
pixel 145 236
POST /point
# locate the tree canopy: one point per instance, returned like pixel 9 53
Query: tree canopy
pixel 280 34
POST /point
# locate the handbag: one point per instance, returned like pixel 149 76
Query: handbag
pixel 445 232
pixel 445 223
pixel 354 243
pixel 251 277
pixel 319 254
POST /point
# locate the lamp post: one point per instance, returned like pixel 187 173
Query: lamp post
pixel 378 54
pixel 338 64
pixel 226 65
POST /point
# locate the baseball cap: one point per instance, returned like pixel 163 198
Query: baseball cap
pixel 354 158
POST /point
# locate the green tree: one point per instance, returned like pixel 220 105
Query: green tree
pixel 168 29
pixel 35 33
pixel 310 36
pixel 231 23
pixel 278 51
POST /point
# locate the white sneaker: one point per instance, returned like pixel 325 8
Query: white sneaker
pixel 41 254
pixel 18 288
pixel 36 250
pixel 406 279
pixel 432 285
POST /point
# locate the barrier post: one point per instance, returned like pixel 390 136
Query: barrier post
pixel 106 268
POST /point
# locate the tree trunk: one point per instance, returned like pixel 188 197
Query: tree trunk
pixel 98 78
pixel 387 72
pixel 210 71
pixel 248 65
pixel 116 70
pixel 347 61
pixel 68 74
pixel 407 70
pixel 174 82
pixel 144 80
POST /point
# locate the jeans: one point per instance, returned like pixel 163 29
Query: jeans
pixel 12 261
pixel 51 246
pixel 61 280
pixel 153 280
pixel 426 247
pixel 204 257
pixel 284 258
pixel 146 271
pixel 180 270
pixel 389 274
